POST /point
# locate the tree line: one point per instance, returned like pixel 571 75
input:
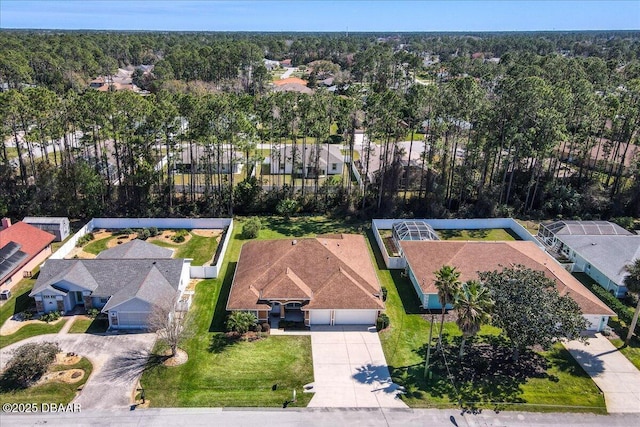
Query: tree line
pixel 539 135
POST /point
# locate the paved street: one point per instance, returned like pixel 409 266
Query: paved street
pixel 350 370
pixel 315 417
pixel 613 373
pixel 118 361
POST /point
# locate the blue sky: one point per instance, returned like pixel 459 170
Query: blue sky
pixel 336 15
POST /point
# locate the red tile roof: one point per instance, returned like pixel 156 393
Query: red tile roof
pixel 425 257
pixel 327 272
pixel 31 239
pixel 290 80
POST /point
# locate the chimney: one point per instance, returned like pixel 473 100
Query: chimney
pixel 6 223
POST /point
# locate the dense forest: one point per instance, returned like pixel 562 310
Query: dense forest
pixel 537 125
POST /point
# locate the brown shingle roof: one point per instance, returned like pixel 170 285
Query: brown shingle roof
pixel 290 80
pixel 331 272
pixel 425 257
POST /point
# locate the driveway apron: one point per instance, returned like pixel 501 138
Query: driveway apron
pixel 613 373
pixel 350 370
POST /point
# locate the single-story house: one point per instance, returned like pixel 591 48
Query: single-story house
pixel 327 280
pixel 58 226
pixel 22 248
pixel 318 161
pixel 198 158
pixel 600 249
pixel 425 257
pixel 293 87
pixel 124 282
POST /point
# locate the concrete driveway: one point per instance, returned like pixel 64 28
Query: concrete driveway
pixel 618 379
pixel 350 370
pixel 118 362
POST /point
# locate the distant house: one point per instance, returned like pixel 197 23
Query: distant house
pixel 600 249
pixel 293 87
pixel 270 65
pixel 327 160
pixel 58 226
pixel 327 280
pixel 425 257
pixel 124 282
pixel 290 80
pixel 286 62
pixel 198 159
pixel 22 248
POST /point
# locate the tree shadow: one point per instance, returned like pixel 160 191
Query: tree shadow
pixel 481 233
pixel 304 226
pixel 486 374
pixel 582 364
pixel 220 311
pixel 377 375
pixel 220 342
pixel 449 234
pixel 131 364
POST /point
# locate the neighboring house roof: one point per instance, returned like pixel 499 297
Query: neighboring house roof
pixel 293 87
pixel 136 249
pixel 335 156
pixel 586 228
pixel 197 154
pixel 289 80
pixel 330 272
pixel 26 239
pixel 470 258
pixel 607 253
pixel 45 219
pixel 121 279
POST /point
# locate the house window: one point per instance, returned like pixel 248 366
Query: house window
pixel 49 296
pixel 334 166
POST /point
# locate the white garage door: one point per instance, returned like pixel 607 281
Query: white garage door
pixel 320 317
pixel 132 319
pixel 355 317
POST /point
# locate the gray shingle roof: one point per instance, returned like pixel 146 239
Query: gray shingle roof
pixel 136 249
pixel 121 279
pixel 608 253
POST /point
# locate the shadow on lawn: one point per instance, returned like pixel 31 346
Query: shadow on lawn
pixel 220 311
pixel 563 359
pixel 486 374
pixel 301 226
pixel 220 342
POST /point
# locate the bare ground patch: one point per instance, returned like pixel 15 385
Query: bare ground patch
pixel 207 232
pixel 166 236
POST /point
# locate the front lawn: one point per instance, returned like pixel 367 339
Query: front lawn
pixel 31 330
pixel 84 325
pixel 223 372
pixel 486 234
pixel 564 386
pixel 57 392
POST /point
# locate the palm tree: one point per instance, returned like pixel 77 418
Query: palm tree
pixel 632 282
pixel 473 305
pixel 448 283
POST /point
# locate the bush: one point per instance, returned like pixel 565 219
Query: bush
pixel 85 239
pixel 28 364
pixel 241 321
pixel 144 234
pixel 180 236
pixel 27 315
pixel 127 231
pixel 382 322
pixel 266 327
pixel 51 316
pixel 251 228
pixel 624 222
pixel 93 313
pixel 384 293
pixel 287 207
pixel 153 231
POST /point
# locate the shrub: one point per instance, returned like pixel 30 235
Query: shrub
pixel 266 327
pixel 384 293
pixel 93 313
pixel 51 316
pixel 624 222
pixel 287 207
pixel 153 231
pixel 251 228
pixel 258 328
pixel 144 234
pixel 28 364
pixel 382 322
pixel 127 231
pixel 180 236
pixel 27 315
pixel 241 321
pixel 85 239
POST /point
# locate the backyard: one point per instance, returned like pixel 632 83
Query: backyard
pixel 486 234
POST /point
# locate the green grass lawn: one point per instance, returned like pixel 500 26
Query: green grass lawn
pixel 200 248
pixel 97 246
pixel 238 373
pixel 89 326
pixel 31 330
pixel 488 234
pixel 51 392
pixel 564 384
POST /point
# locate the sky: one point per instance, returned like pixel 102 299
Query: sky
pixel 307 15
